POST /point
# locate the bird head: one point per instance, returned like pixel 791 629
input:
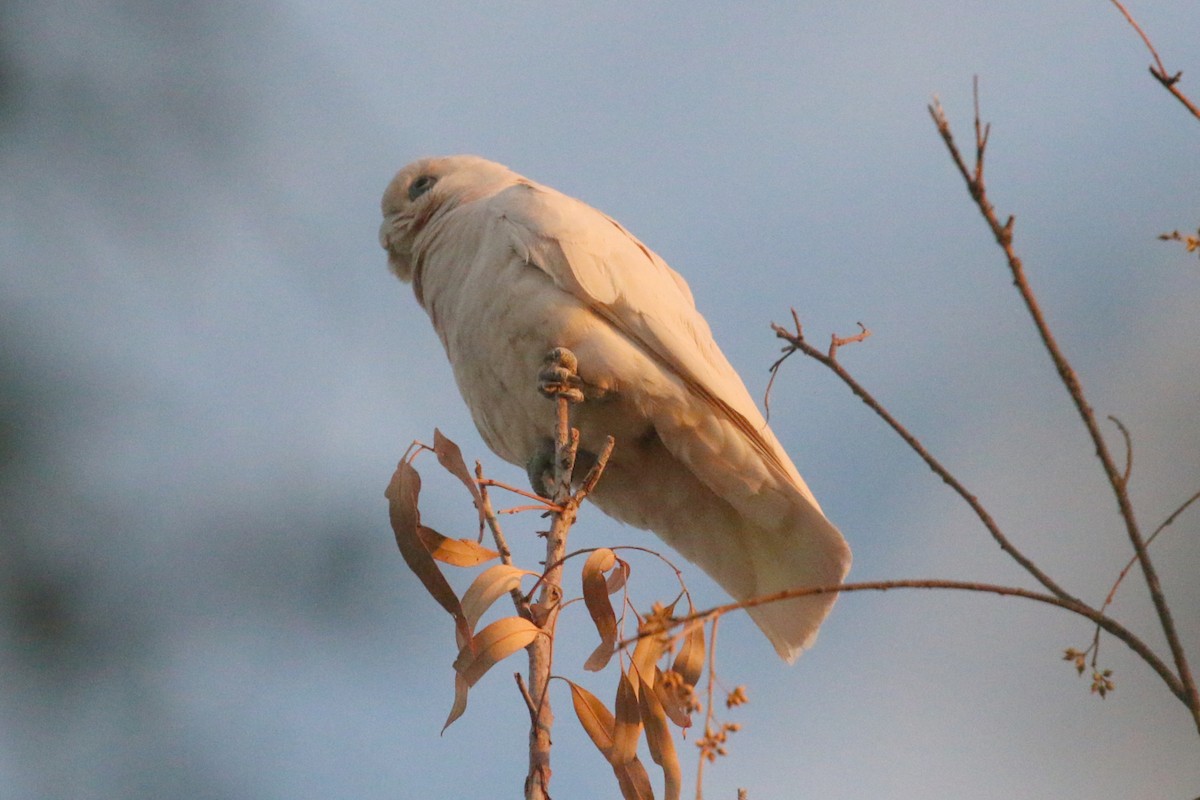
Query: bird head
pixel 427 189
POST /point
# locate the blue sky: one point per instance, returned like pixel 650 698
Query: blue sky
pixel 209 376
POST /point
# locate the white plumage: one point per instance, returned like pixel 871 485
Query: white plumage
pixel 508 270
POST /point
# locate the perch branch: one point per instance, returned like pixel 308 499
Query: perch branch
pixel 559 381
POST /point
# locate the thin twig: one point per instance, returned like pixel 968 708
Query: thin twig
pixel 1113 627
pixel 593 476
pixel 797 341
pixel 774 369
pixel 1141 33
pixel 836 342
pixel 1003 236
pixel 1112 593
pixel 510 488
pixel 544 507
pixel 1128 450
pixel 489 516
pixel 708 714
pixel 1158 70
pixel 493 524
pixel 529 704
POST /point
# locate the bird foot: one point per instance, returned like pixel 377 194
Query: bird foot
pixel 540 469
pixel 558 376
pixel 541 472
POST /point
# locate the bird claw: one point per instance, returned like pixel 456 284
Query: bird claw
pixel 541 472
pixel 540 469
pixel 558 376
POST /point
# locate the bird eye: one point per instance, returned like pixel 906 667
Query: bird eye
pixel 420 186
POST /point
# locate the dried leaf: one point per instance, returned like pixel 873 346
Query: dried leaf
pixel 492 645
pixel 594 716
pixel 628 726
pixel 402 494
pixel 487 587
pixel 460 700
pixel 689 661
pixel 634 781
pixel 455 552
pixel 595 597
pixel 618 577
pixel 675 696
pixel 646 652
pixel 658 738
pixel 450 456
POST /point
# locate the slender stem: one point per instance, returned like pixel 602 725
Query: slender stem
pixel 1158 69
pixel 1115 628
pixel 541 651
pixel 708 711
pixel 493 523
pixel 797 341
pixel 1004 238
pixel 1112 593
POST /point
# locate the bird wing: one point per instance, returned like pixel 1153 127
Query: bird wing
pixel 782 539
pixel 594 258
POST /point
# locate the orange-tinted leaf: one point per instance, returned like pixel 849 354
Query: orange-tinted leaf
pixel 596 719
pixel 618 577
pixel 628 726
pixel 450 456
pixel 689 661
pixel 658 738
pixel 646 652
pixel 460 700
pixel 489 585
pixel 492 645
pixel 456 552
pixel 633 780
pixel 402 495
pixel 595 597
pixel 675 696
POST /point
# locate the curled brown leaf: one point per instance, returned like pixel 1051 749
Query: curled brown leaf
pixel 450 456
pixel 492 645
pixel 689 661
pixel 455 552
pixel 595 597
pixel 489 585
pixel 658 739
pixel 627 729
pixel 402 493
pixel 595 718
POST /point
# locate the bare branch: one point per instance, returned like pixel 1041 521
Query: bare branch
pixel 1141 33
pixel 1112 593
pixel 597 470
pixel 798 342
pixel 548 506
pixel 529 704
pixel 1110 625
pixel 836 342
pixel 556 381
pixel 708 710
pixel 1158 70
pixel 1128 450
pixel 1070 381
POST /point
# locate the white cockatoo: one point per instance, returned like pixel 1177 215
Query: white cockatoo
pixel 508 270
